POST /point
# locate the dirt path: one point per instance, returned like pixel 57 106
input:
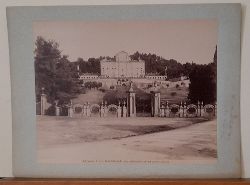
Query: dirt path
pixel 196 143
pixel 54 131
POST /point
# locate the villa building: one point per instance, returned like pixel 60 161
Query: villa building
pixel 122 66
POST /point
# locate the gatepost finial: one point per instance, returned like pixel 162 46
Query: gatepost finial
pixel 131 87
pixel 43 89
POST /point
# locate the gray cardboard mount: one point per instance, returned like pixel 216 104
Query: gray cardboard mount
pixel 21 43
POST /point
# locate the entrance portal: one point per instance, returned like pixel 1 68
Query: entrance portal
pixel 143 105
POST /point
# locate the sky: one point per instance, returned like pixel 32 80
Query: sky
pixel 182 40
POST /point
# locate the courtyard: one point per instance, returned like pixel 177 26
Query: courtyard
pixel 141 139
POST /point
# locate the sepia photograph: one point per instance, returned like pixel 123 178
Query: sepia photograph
pixel 126 91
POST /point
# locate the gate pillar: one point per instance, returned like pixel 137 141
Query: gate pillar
pixel 43 102
pixel 124 110
pixel 155 103
pixel 131 108
pixel 119 111
pixel 88 110
pixel 70 109
pixel 57 108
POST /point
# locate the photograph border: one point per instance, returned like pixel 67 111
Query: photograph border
pixel 21 43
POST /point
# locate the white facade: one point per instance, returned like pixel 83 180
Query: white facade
pixel 122 66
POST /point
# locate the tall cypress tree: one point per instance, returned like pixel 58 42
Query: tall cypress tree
pixel 203 82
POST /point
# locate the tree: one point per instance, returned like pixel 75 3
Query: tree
pixel 47 55
pixel 90 66
pixel 203 84
pixel 188 68
pixel 156 65
pixel 54 72
pixel 203 81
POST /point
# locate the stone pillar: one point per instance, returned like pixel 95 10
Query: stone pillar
pixel 162 113
pixel 155 103
pixel 131 102
pixel 202 109
pixel 57 108
pixel 198 109
pixel 70 110
pixel 105 109
pixel 88 110
pixel 185 110
pixel 181 110
pixel 43 102
pixel 124 110
pixel 84 112
pixel 102 110
pixel 119 111
pixel 167 110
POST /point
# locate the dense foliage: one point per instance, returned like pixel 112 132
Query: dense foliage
pixel 54 72
pixel 90 66
pixel 203 80
pixel 94 84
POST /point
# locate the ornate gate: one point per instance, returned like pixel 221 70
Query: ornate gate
pixel 95 110
pixel 78 110
pixel 174 110
pixel 209 111
pixel 191 111
pixel 112 110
